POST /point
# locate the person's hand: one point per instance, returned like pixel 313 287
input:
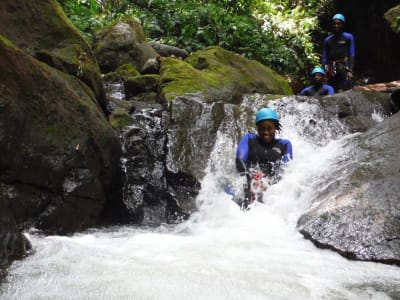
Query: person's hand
pixel 349 76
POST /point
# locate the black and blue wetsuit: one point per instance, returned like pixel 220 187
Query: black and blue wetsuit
pixel 253 151
pixel 314 90
pixel 339 56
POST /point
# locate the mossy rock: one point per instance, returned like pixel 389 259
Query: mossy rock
pixel 392 16
pixel 41 29
pixel 56 142
pixel 120 118
pixel 147 97
pixel 141 84
pixel 122 73
pixel 122 42
pixel 219 75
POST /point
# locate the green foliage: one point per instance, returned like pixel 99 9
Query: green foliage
pixel 274 32
pixel 91 15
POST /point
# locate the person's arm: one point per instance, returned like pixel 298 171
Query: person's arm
pixel 325 59
pixel 277 166
pixel 289 151
pixel 352 52
pixel 330 89
pixel 304 92
pixel 242 153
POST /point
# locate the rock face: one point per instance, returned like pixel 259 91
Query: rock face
pixel 357 214
pixel 59 158
pixel 122 43
pixel 13 244
pixel 59 162
pixel 41 29
pixel 356 108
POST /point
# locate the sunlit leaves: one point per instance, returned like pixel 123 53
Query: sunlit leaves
pixel 273 32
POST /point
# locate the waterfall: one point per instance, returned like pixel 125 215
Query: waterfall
pixel 220 252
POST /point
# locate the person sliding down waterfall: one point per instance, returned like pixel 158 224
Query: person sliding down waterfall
pixel 259 156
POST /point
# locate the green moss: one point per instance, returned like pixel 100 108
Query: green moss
pixel 119 120
pixel 179 78
pixel 219 73
pixel 63 131
pixel 127 70
pixel 392 16
pixel 7 42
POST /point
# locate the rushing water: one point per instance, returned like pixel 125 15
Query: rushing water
pixel 220 252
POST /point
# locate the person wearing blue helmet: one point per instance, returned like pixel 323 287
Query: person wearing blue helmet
pixel 338 56
pixel 318 88
pixel 263 151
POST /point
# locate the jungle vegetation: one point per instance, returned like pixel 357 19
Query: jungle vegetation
pixel 276 32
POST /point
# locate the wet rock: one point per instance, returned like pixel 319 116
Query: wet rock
pixel 359 110
pixel 59 156
pixel 13 244
pixel 147 196
pixel 357 213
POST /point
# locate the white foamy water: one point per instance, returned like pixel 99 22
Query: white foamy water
pixel 220 252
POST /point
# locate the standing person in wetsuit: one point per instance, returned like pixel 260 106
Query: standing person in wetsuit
pixel 338 56
pixel 319 88
pixel 263 150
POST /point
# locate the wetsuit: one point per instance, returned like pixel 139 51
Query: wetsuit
pixel 338 56
pixel 314 90
pixel 253 152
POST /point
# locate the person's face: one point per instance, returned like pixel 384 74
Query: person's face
pixel 266 130
pixel 337 26
pixel 318 78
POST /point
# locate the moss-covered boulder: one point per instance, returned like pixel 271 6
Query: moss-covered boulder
pixel 141 84
pixel 392 16
pixel 122 43
pixel 41 29
pixel 59 162
pixel 219 75
pixel 121 74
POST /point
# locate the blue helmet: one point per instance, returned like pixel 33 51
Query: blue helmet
pixel 339 17
pixel 267 114
pixel 318 70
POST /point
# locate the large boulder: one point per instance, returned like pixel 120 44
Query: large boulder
pixel 59 160
pixel 358 110
pixel 357 213
pixel 220 75
pixel 167 50
pixel 122 43
pixel 41 29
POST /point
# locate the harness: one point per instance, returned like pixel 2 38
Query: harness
pixel 334 67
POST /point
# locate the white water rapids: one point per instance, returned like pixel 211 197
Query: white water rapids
pixel 220 252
